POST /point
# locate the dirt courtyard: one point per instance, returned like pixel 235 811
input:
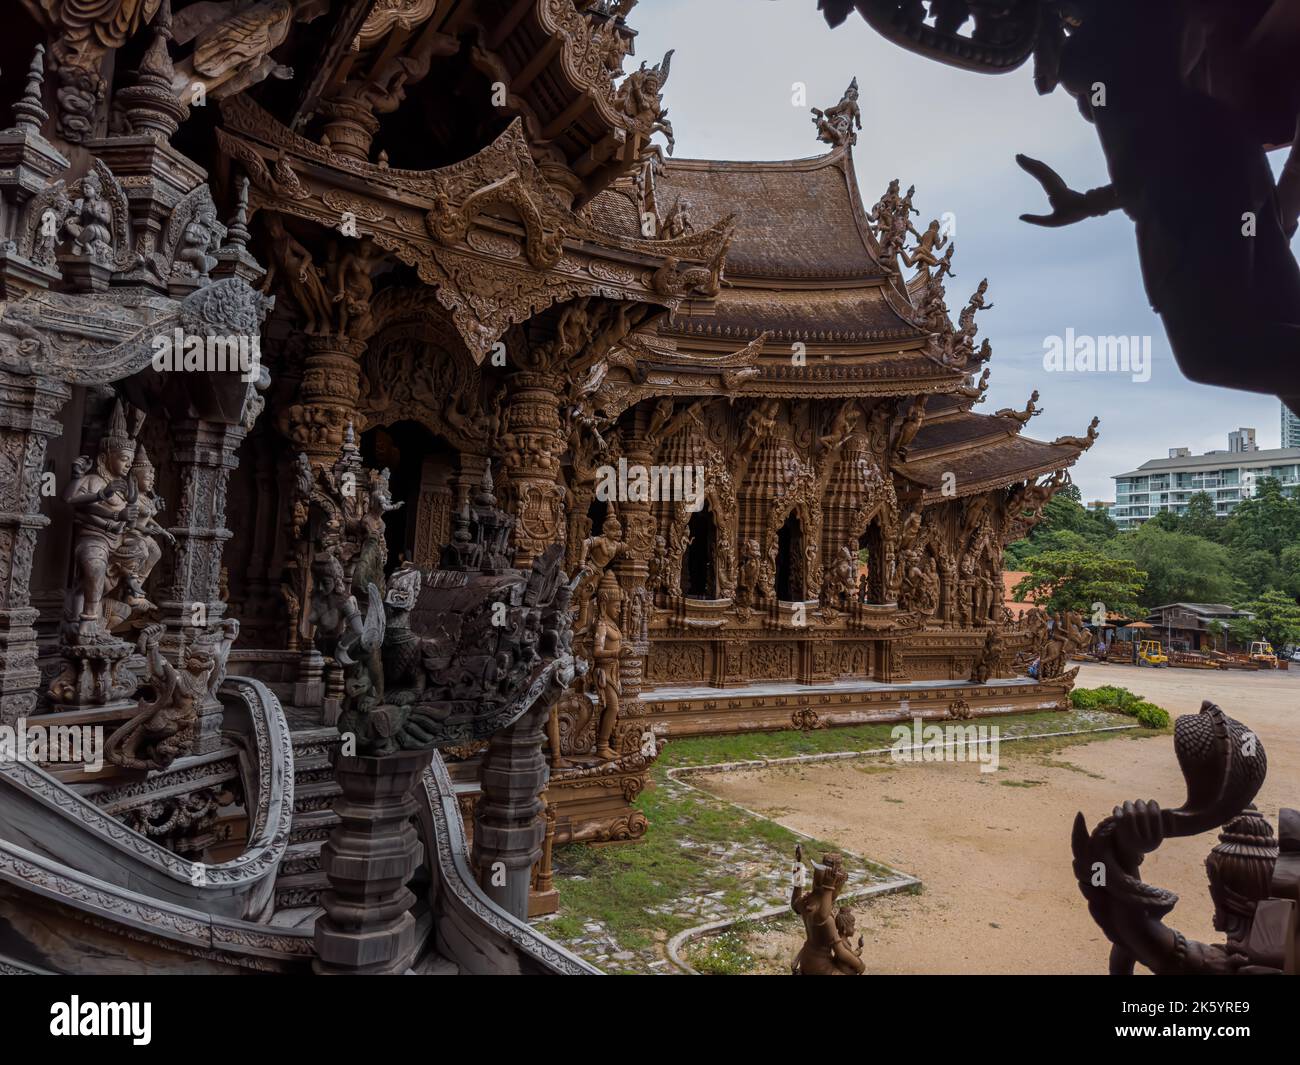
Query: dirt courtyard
pixel 993 849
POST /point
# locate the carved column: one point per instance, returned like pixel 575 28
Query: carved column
pixel 29 408
pixel 633 567
pixel 328 394
pixel 205 454
pixel 367 926
pixel 533 445
pixel 508 827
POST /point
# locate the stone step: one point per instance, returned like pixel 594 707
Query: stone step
pixel 299 889
pixel 301 857
pixel 318 795
pixel 312 825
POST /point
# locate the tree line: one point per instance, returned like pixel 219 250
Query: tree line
pixel 1250 560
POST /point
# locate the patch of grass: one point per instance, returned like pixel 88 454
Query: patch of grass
pixel 1053 763
pixel 725 954
pixel 755 746
pixel 624 886
pixel 1021 783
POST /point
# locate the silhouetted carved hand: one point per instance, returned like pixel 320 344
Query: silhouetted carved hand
pixel 1068 206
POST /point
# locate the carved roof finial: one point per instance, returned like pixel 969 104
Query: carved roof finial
pixel 29 115
pixel 838 125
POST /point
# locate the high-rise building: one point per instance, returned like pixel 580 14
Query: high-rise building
pixel 1242 440
pixel 1290 427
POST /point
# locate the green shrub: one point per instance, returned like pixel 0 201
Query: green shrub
pixel 1149 715
pixel 1120 701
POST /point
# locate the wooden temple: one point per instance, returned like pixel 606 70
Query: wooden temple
pixel 399 448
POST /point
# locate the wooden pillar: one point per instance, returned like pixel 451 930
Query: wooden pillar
pixel 327 396
pixel 193 607
pixel 533 446
pixel 29 409
pixel 367 927
pixel 508 826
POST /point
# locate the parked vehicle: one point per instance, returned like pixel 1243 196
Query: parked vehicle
pixel 1151 654
pixel 1261 651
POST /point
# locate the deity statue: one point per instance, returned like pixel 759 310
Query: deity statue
pixel 676 224
pixel 298 273
pixel 164 728
pixel 1080 442
pixel 837 587
pixel 838 125
pixel 105 501
pixel 90 225
pixel 597 554
pixel 1251 877
pixel 607 650
pixel 200 241
pixel 138 552
pixel 910 427
pixel 927 246
pixel 828 948
pixel 987 664
pixel 654 580
pixel 747 574
pixel 976 391
pixel 640 98
pixel 1032 410
pixel 352 288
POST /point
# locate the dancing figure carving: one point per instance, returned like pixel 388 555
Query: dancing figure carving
pixel 828 948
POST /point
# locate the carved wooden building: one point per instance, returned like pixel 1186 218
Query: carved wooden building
pixel 336 338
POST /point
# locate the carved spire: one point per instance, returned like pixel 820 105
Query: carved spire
pixel 151 103
pixel 29 115
pixel 237 233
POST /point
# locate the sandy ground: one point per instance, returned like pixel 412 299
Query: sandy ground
pixel 993 850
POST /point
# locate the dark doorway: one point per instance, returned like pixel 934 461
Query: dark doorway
pixel 597 512
pixel 790 561
pixel 698 577
pixel 421 473
pixel 871 550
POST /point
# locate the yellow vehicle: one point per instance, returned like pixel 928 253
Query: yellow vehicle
pixel 1261 651
pixel 1150 654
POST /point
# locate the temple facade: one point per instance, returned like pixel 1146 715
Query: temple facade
pixel 400 448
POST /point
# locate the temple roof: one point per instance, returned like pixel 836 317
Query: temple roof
pixel 798 219
pixel 802 265
pixel 981 451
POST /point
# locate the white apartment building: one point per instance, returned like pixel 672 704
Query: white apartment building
pixel 1227 477
pixel 1290 428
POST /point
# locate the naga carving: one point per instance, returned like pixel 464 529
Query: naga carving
pixel 1252 879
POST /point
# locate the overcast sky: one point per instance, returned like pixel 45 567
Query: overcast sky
pixel 954 135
